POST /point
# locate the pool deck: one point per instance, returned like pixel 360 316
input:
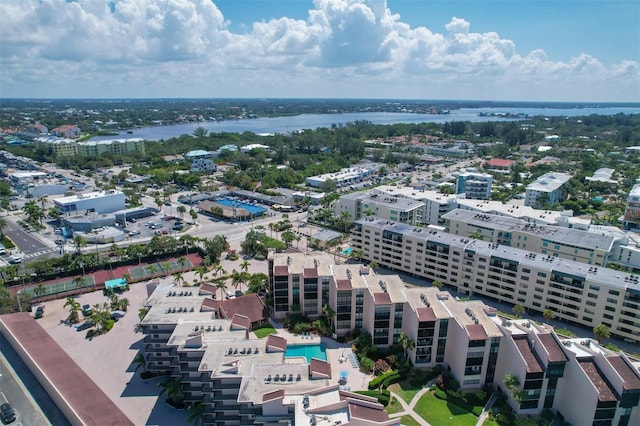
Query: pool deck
pixel 356 380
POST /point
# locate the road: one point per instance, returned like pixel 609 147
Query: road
pixel 21 389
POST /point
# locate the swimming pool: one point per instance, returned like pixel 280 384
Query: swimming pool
pixel 254 210
pixel 347 251
pixel 307 351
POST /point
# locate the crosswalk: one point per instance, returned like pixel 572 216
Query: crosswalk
pixel 41 252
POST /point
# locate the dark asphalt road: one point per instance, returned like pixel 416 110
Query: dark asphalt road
pixel 32 404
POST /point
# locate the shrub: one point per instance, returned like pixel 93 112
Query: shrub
pixel 109 325
pixel 394 378
pixel 383 396
pixel 440 394
pixel 376 382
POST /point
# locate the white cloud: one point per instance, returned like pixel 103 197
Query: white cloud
pixel 342 48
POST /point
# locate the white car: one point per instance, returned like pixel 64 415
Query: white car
pixel 15 259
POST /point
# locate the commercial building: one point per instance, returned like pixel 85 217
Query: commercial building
pixel 577 292
pixel 546 190
pixel 344 177
pixel 632 211
pixel 474 185
pixel 111 146
pixel 99 201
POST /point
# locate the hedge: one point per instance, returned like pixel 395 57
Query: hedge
pixel 382 396
pixel 375 383
pixel 394 378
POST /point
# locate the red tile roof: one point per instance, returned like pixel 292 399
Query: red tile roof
pixel 83 396
pixel 281 271
pixel 382 298
pixel 605 391
pixel 277 343
pixel 556 354
pixel 343 285
pixel 249 305
pixel 533 365
pixel 241 321
pixel 476 332
pixel 208 289
pixel 270 396
pixel 208 304
pixel 310 273
pixel 368 413
pixel 319 368
pixel 499 162
pixel 426 314
pixel 628 373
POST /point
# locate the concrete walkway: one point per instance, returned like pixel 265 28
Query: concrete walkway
pixel 408 409
pixel 485 411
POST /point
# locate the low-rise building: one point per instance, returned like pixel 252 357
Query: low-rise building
pixel 99 201
pixel 111 146
pixel 546 190
pixel 344 177
pixel 632 210
pixel 70 131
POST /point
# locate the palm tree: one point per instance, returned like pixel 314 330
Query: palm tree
pixel 218 269
pixel 140 361
pixel 181 262
pixel 476 235
pixel 74 307
pixel 79 243
pixel 373 265
pixel 513 384
pixel 601 332
pixel 178 279
pixel 39 291
pixel 142 312
pixel 79 282
pixel 195 413
pixel 3 225
pixel 437 284
pixel 405 341
pixel 182 210
pixel 548 314
pixel 329 313
pixel 519 310
pixel 151 269
pixel 221 285
pixel 172 386
pixel 244 266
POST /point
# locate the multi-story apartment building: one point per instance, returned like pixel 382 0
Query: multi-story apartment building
pixel 566 243
pixel 99 201
pixel 238 378
pixel 546 190
pixel 359 204
pixel 342 177
pixel 578 292
pixel 632 211
pixel 61 147
pixel 435 203
pixel 112 146
pixel 475 186
pixel 70 131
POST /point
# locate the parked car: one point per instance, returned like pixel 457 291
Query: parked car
pixel 39 312
pixel 134 232
pixel 8 413
pixel 85 325
pixel 116 315
pixel 86 310
pixel 3 251
pixel 179 227
pixel 15 259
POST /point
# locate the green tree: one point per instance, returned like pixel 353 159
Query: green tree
pixel 407 344
pixel 39 291
pixel 437 284
pixel 74 307
pixel 172 387
pixel 519 310
pixel 601 332
pixel 195 414
pixel 221 285
pixel 79 243
pixel 548 314
pixel 141 362
pixel 181 210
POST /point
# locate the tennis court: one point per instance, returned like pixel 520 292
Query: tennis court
pixel 168 267
pixel 60 287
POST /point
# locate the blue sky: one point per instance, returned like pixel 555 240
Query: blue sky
pixel 560 50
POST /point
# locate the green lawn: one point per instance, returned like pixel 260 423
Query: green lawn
pixel 439 412
pixel 408 421
pixel 264 331
pixel 394 406
pixel 405 390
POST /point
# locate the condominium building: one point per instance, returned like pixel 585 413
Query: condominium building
pixel 592 248
pixel 111 146
pixel 359 204
pixel 632 211
pixel 546 190
pixel 238 378
pixel 343 177
pixel 99 201
pixel 436 204
pixel 61 147
pixel 578 292
pixel 475 186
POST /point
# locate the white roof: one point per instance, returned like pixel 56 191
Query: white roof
pixel 549 182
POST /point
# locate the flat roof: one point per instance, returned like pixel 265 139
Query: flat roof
pixel 549 182
pixel 86 196
pixel 90 404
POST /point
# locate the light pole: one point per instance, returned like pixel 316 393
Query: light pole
pixel 19 303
